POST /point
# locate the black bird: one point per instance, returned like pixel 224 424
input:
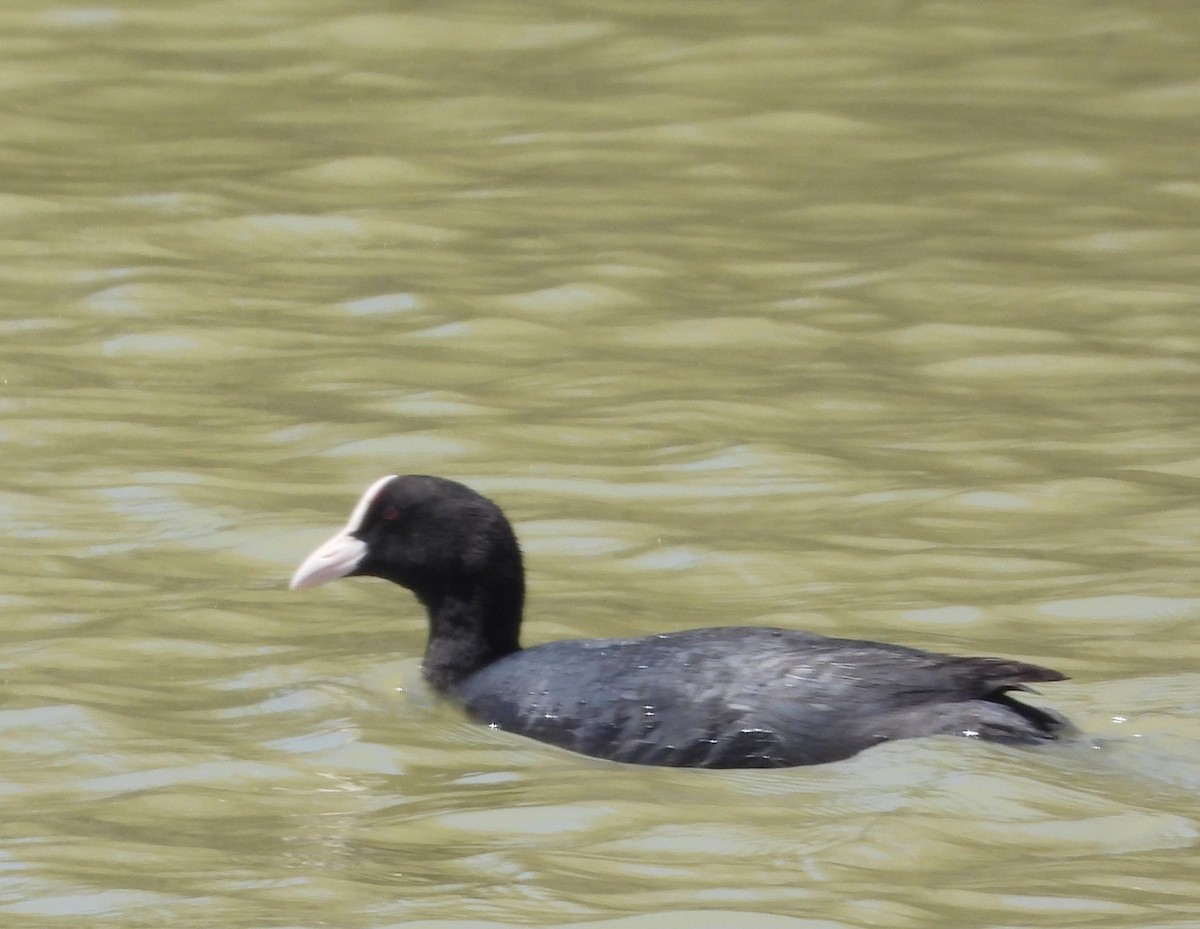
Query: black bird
pixel 728 697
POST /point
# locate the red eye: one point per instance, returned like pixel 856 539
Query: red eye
pixel 390 512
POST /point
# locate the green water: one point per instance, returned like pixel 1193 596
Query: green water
pixel 875 319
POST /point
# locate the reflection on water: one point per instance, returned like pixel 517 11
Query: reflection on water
pixel 873 320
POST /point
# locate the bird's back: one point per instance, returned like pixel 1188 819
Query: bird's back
pixel 750 697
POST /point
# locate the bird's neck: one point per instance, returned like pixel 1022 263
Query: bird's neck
pixel 468 630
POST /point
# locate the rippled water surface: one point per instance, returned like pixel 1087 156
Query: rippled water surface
pixel 876 319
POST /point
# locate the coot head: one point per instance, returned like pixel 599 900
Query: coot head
pixel 453 548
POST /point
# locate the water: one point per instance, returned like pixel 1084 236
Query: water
pixel 875 320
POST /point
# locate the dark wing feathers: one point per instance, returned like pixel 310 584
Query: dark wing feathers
pixel 750 697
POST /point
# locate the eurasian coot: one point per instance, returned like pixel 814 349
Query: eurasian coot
pixel 729 697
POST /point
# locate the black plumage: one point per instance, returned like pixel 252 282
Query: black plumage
pixel 720 698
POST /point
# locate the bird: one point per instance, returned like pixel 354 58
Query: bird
pixel 722 697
